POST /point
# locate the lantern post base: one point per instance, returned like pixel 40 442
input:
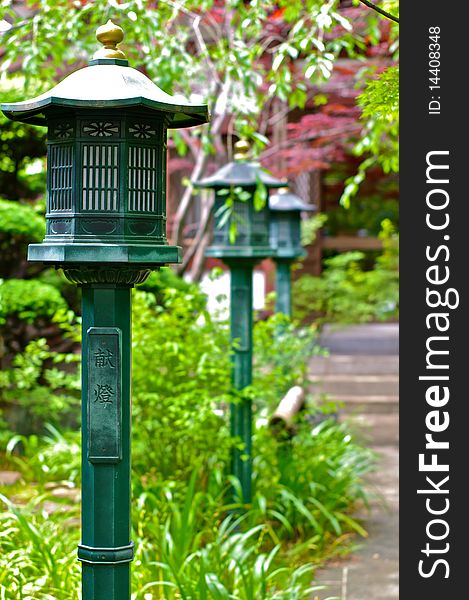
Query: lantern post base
pixel 106 549
pixel 283 303
pixel 241 338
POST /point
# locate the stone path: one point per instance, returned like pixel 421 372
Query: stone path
pixel 362 372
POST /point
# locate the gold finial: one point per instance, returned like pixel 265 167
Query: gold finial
pixel 242 148
pixel 109 35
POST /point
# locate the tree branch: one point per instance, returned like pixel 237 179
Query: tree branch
pixel 329 133
pixel 186 199
pixel 379 10
pixel 204 50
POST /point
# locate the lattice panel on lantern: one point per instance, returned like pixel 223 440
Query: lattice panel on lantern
pixel 142 179
pixel 100 177
pixel 259 225
pixel 60 162
pixel 284 232
pixel 241 216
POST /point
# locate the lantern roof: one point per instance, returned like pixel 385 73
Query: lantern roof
pixel 108 82
pixel 241 171
pixel 286 201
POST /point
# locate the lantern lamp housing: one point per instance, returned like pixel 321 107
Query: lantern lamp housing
pixel 285 226
pixel 106 161
pixel 235 185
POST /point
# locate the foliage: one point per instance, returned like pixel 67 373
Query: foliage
pixel 28 299
pixel 173 560
pixel 189 541
pixel 178 381
pixel 27 309
pixel 247 60
pixel 21 220
pixel 37 384
pixel 310 227
pixel 70 292
pixel 281 352
pixel 193 544
pixel 20 224
pixel 311 482
pixel 38 551
pixel 40 386
pixel 228 68
pixel 365 214
pixel 379 101
pixel 20 146
pixel 163 279
pixel 54 457
pixel 235 563
pixel 345 293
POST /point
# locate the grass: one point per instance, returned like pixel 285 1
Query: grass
pixel 191 545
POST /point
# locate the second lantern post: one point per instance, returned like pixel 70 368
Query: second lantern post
pixel 240 240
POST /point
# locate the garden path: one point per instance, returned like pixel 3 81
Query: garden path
pixel 362 372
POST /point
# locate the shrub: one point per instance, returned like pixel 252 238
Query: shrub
pixel 28 300
pixel 312 482
pixel 38 550
pixel 20 145
pixel 345 293
pixel 180 378
pixel 165 278
pixel 281 356
pixel 39 387
pixel 22 221
pixel 20 225
pixel 189 541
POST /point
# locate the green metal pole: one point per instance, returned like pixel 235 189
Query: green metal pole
pixel 106 549
pixel 283 287
pixel 241 335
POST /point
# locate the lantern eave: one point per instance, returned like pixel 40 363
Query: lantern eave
pixel 289 254
pixel 289 203
pixel 104 86
pixel 242 173
pixel 148 255
pixel 253 252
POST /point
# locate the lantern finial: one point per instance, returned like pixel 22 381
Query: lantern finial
pixel 242 148
pixel 109 35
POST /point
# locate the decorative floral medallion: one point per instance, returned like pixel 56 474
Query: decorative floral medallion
pixel 63 130
pixel 101 129
pixel 142 131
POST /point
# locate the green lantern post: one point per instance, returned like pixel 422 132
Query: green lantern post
pixel 235 186
pixel 106 228
pixel 285 239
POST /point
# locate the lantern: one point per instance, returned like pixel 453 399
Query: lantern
pixel 106 227
pixel 285 239
pixel 106 184
pixel 237 187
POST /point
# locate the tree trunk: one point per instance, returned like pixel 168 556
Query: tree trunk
pixel 183 207
pixel 199 258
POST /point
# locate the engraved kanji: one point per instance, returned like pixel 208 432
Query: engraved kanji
pixel 102 358
pixel 103 393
